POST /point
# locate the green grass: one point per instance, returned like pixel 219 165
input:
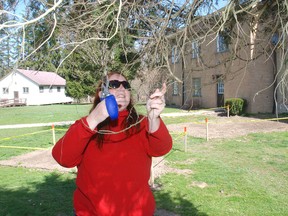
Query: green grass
pixel 53 113
pixel 42 114
pixel 244 176
pixel 30 192
pixel 186 119
pixel 14 141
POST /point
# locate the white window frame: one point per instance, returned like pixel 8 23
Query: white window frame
pixel 222 46
pixel 175 88
pixel 41 89
pixel 220 86
pixel 175 55
pixel 25 90
pixel 196 86
pixel 195 49
pixel 5 90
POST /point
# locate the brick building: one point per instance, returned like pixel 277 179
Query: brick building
pixel 213 70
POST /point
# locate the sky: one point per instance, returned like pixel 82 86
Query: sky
pixel 222 3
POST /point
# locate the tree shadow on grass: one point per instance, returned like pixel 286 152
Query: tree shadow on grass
pixel 51 197
pixel 179 205
pixel 51 194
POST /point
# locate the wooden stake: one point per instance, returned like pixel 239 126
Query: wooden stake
pixel 53 134
pixel 185 139
pixel 207 134
pixel 228 111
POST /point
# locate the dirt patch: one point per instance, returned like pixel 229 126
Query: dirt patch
pixel 39 159
pixel 224 127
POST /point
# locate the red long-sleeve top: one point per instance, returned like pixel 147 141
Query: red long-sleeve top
pixel 112 180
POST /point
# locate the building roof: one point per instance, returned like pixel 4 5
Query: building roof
pixel 43 77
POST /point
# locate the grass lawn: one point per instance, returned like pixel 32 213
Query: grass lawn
pixel 30 192
pixel 241 176
pixel 53 113
pixel 43 114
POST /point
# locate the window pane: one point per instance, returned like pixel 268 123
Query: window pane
pixel 220 87
pixel 175 55
pixel 41 89
pixel 195 49
pixel 175 88
pixel 5 90
pixel 25 90
pixel 221 44
pixel 196 82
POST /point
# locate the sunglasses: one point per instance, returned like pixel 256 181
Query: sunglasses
pixel 114 84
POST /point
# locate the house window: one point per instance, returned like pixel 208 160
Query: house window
pixel 175 88
pixel 195 49
pixel 222 45
pixel 25 90
pixel 41 89
pixel 5 90
pixel 175 55
pixel 51 89
pixel 220 86
pixel 58 89
pixel 196 82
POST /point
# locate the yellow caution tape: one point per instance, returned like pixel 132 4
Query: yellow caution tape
pixel 21 147
pixel 22 135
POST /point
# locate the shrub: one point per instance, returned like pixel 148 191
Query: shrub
pixel 236 105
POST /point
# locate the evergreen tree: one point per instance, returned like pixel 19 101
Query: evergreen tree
pixel 8 39
pixel 89 62
pixel 39 53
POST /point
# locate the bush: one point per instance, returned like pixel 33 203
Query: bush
pixel 236 105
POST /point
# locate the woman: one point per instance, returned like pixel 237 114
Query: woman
pixel 114 157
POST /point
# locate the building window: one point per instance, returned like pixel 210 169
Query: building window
pixel 220 86
pixel 58 89
pixel 196 82
pixel 175 55
pixel 222 45
pixel 25 90
pixel 41 89
pixel 50 89
pixel 175 88
pixel 5 90
pixel 195 49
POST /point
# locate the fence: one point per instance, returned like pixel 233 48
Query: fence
pixel 13 102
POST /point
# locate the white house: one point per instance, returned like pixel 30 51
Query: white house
pixel 33 87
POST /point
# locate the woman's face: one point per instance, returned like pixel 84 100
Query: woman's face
pixel 121 93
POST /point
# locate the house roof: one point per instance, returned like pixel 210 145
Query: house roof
pixel 43 77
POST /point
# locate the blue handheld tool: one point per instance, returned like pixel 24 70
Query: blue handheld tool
pixel 110 101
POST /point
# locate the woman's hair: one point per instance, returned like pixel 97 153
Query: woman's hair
pixel 131 119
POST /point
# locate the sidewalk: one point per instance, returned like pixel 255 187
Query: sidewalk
pixel 37 125
pixel 184 113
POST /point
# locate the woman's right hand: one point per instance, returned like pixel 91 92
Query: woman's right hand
pixel 98 115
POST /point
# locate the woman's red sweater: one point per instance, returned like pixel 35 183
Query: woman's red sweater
pixel 112 180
